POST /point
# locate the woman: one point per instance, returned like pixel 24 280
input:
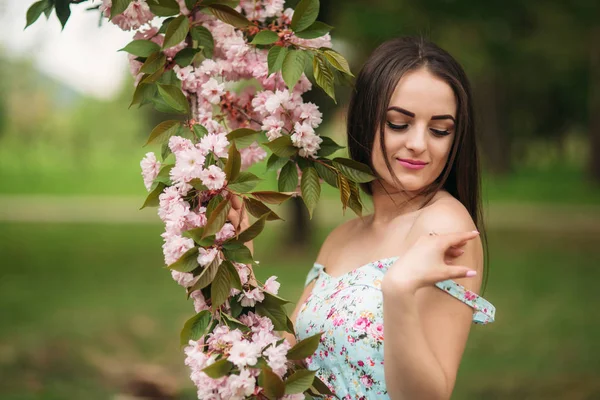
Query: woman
pixel 411 119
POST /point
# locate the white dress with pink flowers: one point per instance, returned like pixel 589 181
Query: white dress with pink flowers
pixel 349 310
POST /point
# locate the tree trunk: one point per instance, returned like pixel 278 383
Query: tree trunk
pixel 594 104
pixel 495 140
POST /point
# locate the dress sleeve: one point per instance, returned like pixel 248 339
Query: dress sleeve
pixel 313 273
pixel 484 312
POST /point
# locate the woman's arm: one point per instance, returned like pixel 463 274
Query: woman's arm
pixel 426 329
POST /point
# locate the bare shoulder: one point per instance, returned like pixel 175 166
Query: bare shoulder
pixel 336 238
pixel 445 215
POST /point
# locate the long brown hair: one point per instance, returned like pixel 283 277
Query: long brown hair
pixel 371 96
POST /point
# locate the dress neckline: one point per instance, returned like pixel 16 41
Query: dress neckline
pixel 353 271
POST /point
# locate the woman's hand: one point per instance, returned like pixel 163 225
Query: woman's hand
pixel 238 216
pixel 426 262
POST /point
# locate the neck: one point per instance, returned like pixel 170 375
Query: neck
pixel 389 203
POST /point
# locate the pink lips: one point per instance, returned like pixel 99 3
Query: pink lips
pixel 412 164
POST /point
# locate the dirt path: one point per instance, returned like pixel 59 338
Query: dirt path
pixel 98 209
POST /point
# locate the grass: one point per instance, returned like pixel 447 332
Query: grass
pixel 88 310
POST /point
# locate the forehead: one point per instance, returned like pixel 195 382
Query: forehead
pixel 424 94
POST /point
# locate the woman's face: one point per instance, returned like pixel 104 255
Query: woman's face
pixel 419 131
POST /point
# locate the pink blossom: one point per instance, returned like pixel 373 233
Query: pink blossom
pixel 150 168
pixel 188 165
pixel 238 387
pixel 213 177
pixel 184 279
pixel 309 113
pixel 276 357
pixel 244 353
pixel 271 285
pixel 216 143
pixel 226 232
pixel 206 256
pixel 243 270
pixel 175 246
pixel 249 298
pixel 199 301
pixel 212 91
pixel 178 144
pixel 137 14
pixel 252 154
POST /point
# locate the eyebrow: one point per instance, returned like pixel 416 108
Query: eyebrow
pixel 412 115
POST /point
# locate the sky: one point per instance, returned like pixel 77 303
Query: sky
pixel 83 56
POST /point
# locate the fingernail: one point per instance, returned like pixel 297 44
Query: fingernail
pixel 476 232
pixel 471 273
pixel 461 251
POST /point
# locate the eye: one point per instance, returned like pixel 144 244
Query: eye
pixel 397 127
pixel 438 132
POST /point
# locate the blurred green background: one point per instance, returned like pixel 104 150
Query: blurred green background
pixel 89 311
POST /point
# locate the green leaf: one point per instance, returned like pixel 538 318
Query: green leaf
pixel 282 146
pixel 233 323
pixel 187 262
pixel 305 347
pixel 328 147
pixel 258 209
pixel 163 131
pixel 236 307
pixel 153 63
pixel 311 188
pixel 323 75
pixel 354 202
pixel 329 174
pixel 265 37
pixel 63 11
pixel 275 162
pixel 299 381
pixel 321 387
pixel 190 4
pixel 204 39
pixel 245 182
pixel 163 175
pixel 252 231
pixel 186 56
pixel 143 93
pixel 235 280
pixel 288 178
pixel 317 29
pixel 217 218
pixel 239 254
pixel 344 186
pixel 174 97
pixel 305 15
pixel 274 388
pixel 152 199
pixel 212 205
pixel 195 327
pixel 176 31
pixel 219 368
pixel 234 163
pixel 271 197
pixel 219 288
pixel 242 137
pixel 164 8
pixel 229 15
pixel 354 170
pixel 274 299
pixel 275 58
pixel 207 275
pixel 141 48
pixel 165 151
pixel 118 6
pixel 338 61
pixel 293 67
pixel 200 131
pixel 36 9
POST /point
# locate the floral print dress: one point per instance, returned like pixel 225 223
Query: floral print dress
pixel 349 310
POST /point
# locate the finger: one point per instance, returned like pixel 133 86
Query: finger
pixel 459 271
pixel 454 252
pixel 233 217
pixel 454 238
pixel 236 202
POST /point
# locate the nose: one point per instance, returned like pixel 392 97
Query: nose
pixel 416 139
